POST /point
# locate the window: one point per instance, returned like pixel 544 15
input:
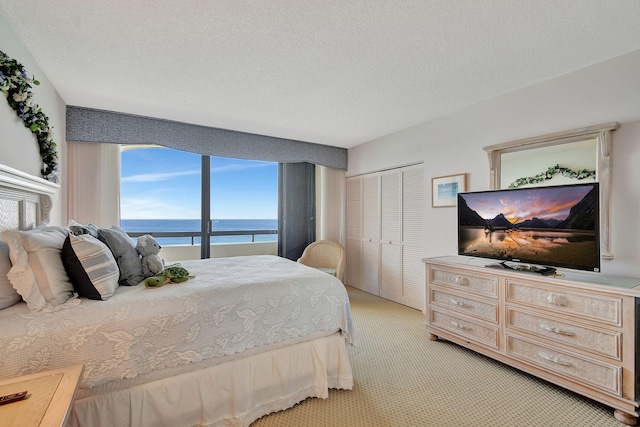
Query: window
pixel 161 192
pixel 244 196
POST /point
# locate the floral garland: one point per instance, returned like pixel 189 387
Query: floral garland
pixel 15 83
pixel 549 173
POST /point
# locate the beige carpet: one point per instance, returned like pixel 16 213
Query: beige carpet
pixel 403 379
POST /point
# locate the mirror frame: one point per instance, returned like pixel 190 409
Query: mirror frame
pixel 603 135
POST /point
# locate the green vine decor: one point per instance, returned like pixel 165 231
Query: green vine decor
pixel 16 84
pixel 549 173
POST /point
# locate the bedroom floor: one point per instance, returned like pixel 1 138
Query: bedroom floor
pixel 403 379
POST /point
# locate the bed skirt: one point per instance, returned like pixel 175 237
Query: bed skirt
pixel 234 393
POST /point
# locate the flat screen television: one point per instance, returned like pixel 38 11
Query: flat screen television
pixel 546 227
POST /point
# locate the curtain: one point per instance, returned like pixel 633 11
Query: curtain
pixel 93 184
pixel 330 204
pixel 296 208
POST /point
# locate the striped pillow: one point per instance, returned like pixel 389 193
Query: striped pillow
pixel 90 265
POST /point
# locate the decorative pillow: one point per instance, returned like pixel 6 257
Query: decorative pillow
pixel 37 272
pixel 91 266
pixel 8 295
pixel 78 229
pixel 125 254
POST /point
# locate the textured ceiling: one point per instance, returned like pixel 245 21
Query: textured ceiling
pixel 326 71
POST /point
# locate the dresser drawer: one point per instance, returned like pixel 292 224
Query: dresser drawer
pixel 464 327
pixel 587 371
pixel 478 283
pixel 464 304
pixel 595 340
pixel 568 301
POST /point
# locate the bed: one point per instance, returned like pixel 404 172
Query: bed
pixel 244 337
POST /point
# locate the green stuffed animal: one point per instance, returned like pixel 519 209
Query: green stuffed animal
pixel 171 274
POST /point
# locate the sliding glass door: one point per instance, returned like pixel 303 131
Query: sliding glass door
pixel 243 201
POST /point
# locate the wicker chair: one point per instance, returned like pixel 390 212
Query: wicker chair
pixel 326 256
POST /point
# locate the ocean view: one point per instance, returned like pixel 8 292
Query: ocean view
pixel 193 225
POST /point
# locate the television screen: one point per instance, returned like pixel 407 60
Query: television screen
pixel 548 226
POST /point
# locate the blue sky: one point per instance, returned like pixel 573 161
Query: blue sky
pixel 160 183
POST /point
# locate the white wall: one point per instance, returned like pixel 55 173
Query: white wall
pixel 453 144
pixel 18 146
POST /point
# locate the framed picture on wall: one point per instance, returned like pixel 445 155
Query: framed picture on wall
pixel 445 189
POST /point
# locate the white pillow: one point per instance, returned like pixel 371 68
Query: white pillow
pixel 37 272
pixel 8 295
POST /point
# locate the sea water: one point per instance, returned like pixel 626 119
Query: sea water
pixel 193 225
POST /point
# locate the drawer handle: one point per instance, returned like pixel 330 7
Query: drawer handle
pixel 555 359
pixel 556 330
pixel 461 303
pixel 460 326
pixel 557 299
pixel 461 280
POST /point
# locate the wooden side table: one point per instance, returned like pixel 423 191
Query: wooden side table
pixel 49 400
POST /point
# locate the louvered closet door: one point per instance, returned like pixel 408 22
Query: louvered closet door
pixel 371 208
pixel 385 234
pixel 354 232
pixel 413 211
pixel 371 233
pixel 390 235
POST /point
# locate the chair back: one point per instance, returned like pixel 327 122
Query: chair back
pixel 325 254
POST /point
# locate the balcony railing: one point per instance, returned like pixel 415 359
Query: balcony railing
pixel 196 234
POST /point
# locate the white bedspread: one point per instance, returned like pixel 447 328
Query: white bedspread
pixel 233 304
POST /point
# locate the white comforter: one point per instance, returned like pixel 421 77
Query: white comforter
pixel 232 305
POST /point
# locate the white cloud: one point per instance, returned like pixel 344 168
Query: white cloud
pixel 139 208
pixel 240 166
pixel 159 176
pixel 166 176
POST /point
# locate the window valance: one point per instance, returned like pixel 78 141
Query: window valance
pixel 91 125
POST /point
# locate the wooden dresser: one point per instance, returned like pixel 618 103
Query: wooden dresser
pixel 578 330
